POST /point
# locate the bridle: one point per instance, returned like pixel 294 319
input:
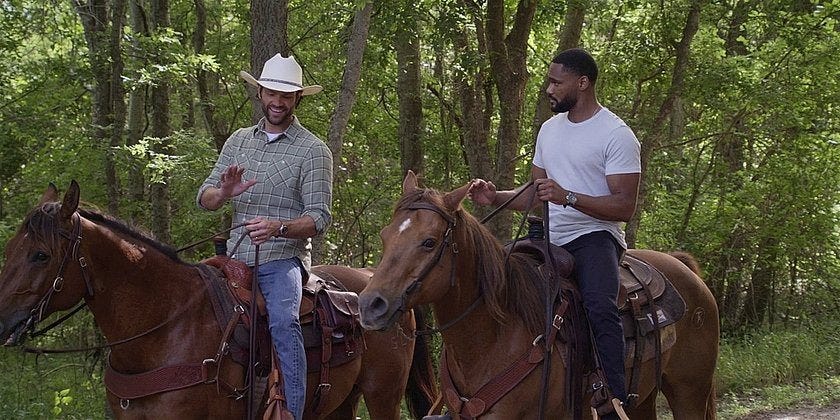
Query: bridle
pixel 37 312
pixel 418 281
pixel 447 240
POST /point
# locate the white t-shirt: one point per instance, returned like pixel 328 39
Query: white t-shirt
pixel 579 156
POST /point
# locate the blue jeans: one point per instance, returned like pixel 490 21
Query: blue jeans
pixel 596 264
pixel 282 286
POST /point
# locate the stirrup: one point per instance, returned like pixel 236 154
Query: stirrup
pixel 438 417
pixel 617 406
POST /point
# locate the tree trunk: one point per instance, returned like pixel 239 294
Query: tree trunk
pixel 409 85
pixel 569 38
pixel 136 120
pixel 269 19
pixel 208 108
pixel 162 130
pixel 659 130
pixel 356 46
pixel 349 82
pixel 507 60
pixel 118 8
pixel 94 17
pixel 760 293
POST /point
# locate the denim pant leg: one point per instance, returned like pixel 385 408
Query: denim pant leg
pixel 281 284
pixel 596 264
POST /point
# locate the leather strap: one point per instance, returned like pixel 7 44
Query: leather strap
pixel 324 385
pixel 489 394
pixel 645 314
pixel 168 378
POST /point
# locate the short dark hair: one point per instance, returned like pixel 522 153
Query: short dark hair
pixel 578 61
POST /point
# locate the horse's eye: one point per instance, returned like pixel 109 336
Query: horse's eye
pixel 429 243
pixel 40 257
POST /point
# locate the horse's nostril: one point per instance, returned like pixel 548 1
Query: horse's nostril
pixel 374 305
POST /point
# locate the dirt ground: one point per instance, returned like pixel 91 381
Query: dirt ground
pixel 818 413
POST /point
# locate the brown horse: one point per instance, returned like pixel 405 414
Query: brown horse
pixel 436 253
pixel 156 311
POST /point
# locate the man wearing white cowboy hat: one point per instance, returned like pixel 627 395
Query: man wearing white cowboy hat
pixel 278 177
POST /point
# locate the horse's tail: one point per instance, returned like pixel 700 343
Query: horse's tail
pixel 711 404
pixel 688 260
pixel 420 392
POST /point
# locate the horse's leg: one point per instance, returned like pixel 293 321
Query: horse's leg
pixel 689 397
pixel 386 365
pixel 347 409
pixel 645 409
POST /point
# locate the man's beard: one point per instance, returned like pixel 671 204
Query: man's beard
pixel 563 105
pixel 276 119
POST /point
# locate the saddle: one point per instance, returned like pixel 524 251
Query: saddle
pixel 329 319
pixel 326 306
pixel 642 289
pixel 648 305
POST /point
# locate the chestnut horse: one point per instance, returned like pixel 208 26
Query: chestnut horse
pixel 489 314
pixel 155 311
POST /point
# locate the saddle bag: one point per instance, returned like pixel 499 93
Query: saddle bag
pixel 329 318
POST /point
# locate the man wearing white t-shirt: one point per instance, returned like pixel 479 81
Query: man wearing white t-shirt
pixel 587 167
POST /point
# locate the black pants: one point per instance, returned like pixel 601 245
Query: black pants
pixel 596 264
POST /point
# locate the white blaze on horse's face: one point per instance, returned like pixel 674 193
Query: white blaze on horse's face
pixel 404 225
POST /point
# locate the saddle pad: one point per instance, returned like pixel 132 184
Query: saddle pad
pixel 667 338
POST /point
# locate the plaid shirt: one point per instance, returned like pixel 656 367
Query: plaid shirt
pixel 294 179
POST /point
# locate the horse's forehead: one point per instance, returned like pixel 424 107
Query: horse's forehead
pixel 414 222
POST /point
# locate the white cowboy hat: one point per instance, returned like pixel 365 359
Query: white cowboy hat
pixel 281 74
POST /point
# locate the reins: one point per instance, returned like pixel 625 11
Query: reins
pixel 551 294
pixel 210 238
pixel 448 241
pixel 184 308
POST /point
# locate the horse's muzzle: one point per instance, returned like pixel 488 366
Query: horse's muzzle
pixel 376 312
pixel 14 333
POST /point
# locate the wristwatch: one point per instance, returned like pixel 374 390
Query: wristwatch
pixel 282 231
pixel 571 199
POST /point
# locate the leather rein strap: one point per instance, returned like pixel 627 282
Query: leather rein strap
pixel 252 332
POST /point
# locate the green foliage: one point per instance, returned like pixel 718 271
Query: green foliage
pixel 745 176
pixel 777 357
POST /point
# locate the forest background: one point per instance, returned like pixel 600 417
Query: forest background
pixel 736 104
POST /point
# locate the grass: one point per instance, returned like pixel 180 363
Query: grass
pixel 768 370
pixel 813 392
pixel 778 357
pixel 772 370
pixel 58 386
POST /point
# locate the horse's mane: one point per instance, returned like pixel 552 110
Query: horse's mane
pixel 511 289
pixel 43 222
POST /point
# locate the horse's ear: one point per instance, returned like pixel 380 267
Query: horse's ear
pixel 454 198
pixel 410 182
pixel 50 195
pixel 71 200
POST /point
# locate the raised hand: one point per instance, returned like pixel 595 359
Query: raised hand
pixel 232 184
pixel 482 192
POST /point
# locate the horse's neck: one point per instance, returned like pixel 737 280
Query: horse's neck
pixel 135 286
pixel 478 347
pixel 478 337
